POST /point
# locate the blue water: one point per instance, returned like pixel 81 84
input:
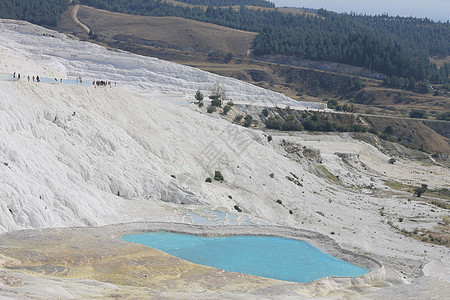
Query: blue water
pixel 9 77
pixel 271 257
pixel 65 81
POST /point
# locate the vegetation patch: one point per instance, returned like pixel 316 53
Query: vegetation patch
pixel 294 179
pixel 439 193
pixel 218 176
pixel 290 120
pixel 41 12
pixel 418 191
pixel 440 204
pixel 324 172
pixel 438 236
pixel 320 213
pixel 399 186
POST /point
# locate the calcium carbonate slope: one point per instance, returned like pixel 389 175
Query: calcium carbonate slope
pixel 78 155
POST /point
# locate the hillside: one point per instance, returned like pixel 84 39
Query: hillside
pixel 224 51
pixel 395 46
pixel 167 32
pixel 138 151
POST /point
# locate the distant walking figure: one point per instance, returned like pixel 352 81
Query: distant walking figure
pixel 37 78
pixel 14 75
pixel 18 76
pixel 33 78
pixel 28 77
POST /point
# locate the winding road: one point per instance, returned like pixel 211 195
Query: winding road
pixel 77 21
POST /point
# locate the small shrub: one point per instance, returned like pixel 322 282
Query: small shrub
pixel 272 175
pixel 400 219
pixel 248 121
pixel 173 176
pixel 226 109
pixel 275 123
pixel 216 102
pixel 332 104
pixel 269 138
pixel 291 124
pixel 211 109
pixel 294 180
pixel 388 130
pixel 444 116
pixel 280 202
pixel 199 96
pixel 265 112
pixel 217 92
pixel 230 103
pixel 229 196
pixel 236 207
pixel 238 119
pixel 320 213
pixel 418 114
pixel 218 176
pixel 208 180
pixel 291 212
pixel 392 161
pixel 418 191
pixel 200 104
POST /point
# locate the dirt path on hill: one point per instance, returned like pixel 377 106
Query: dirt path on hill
pixel 77 21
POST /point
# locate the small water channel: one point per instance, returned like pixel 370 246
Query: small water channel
pixel 271 257
pixel 10 77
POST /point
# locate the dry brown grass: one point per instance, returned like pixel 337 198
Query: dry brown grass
pixel 439 61
pixel 171 32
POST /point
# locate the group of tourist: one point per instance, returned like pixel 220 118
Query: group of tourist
pixel 95 83
pixel 102 83
pixel 37 79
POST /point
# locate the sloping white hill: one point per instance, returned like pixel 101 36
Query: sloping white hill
pixel 77 155
pixel 50 54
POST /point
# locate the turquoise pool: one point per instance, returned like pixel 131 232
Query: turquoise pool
pixel 271 257
pixel 9 77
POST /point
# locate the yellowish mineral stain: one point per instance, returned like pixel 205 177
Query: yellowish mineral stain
pixel 85 255
pixel 134 270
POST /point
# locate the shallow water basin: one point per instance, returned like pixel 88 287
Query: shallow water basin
pixel 265 256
